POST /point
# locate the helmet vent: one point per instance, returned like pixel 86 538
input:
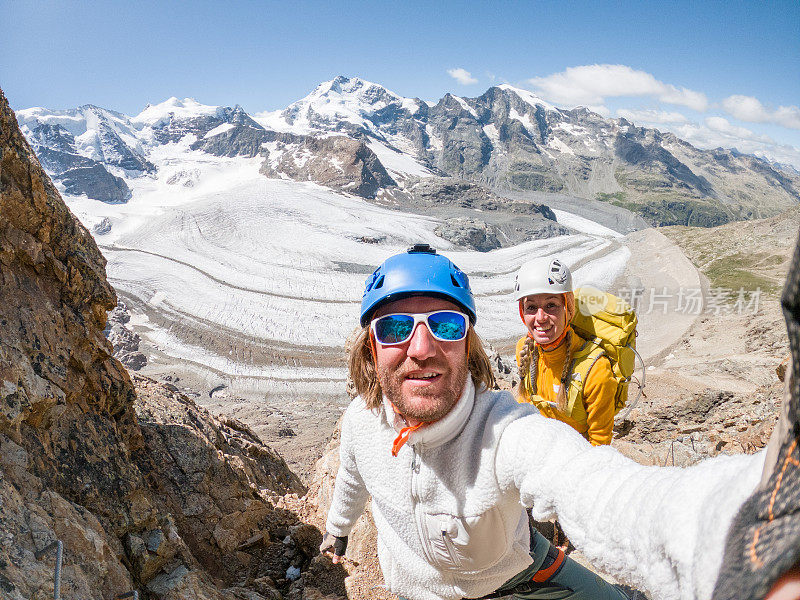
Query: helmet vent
pixel 455 281
pixel 379 283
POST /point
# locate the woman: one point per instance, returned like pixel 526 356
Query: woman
pixel 548 354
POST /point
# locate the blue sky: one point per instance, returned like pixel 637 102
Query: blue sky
pixel 716 73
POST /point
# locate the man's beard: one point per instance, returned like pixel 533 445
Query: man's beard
pixel 438 403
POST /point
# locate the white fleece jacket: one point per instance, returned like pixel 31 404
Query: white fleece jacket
pixel 450 515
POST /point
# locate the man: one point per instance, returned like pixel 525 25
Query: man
pixel 451 466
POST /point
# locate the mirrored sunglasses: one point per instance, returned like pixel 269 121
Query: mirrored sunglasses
pixel 444 325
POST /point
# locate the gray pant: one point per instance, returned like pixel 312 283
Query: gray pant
pixel 572 581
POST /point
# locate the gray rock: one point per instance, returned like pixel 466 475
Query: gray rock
pixel 447 191
pixel 96 183
pixel 102 227
pixel 469 233
pixel 186 178
pixel 125 340
pixel 174 128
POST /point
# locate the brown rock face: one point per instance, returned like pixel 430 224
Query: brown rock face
pixel 67 422
pixel 145 490
pixel 55 363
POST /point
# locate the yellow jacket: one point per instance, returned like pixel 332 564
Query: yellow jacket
pixel 593 417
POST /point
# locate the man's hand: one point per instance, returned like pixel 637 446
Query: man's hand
pixel 336 544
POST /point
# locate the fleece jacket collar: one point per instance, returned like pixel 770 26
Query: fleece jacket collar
pixel 441 431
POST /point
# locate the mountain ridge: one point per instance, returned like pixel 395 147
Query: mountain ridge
pixel 506 139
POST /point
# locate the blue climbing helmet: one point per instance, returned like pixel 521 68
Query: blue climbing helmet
pixel 417 272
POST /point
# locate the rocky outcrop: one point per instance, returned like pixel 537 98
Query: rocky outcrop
pixel 216 485
pixel 53 303
pixel 337 162
pixel 145 490
pixel 96 183
pixel 364 580
pixel 125 340
pixel 475 217
pixel 230 132
pixel 205 513
pixel 174 127
pixel 469 233
pixel 448 191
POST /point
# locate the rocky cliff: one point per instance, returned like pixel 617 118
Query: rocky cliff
pixel 145 490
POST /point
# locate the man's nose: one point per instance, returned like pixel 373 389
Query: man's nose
pixel 421 345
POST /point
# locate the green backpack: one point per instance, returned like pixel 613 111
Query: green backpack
pixel 608 323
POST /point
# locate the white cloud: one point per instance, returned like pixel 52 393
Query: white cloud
pixel 463 76
pixel 747 108
pixel 651 116
pixel 722 125
pixel 592 84
pixel 718 132
pixel 601 110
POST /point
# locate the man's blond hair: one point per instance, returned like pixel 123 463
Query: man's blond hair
pixel 364 375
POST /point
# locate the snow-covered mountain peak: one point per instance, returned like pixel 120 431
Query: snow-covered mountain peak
pixel 173 108
pixel 353 90
pixel 73 120
pixel 527 96
pixel 95 129
pixel 506 136
pixel 349 100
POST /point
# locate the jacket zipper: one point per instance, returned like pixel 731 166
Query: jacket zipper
pixel 421 528
pixel 451 549
pixel 415 504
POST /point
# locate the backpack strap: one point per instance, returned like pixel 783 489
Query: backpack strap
pixel 582 363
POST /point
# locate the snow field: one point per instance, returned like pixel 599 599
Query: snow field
pixel 583 224
pixel 398 163
pixel 277 260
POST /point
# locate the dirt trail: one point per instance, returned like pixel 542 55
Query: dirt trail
pixel 661 272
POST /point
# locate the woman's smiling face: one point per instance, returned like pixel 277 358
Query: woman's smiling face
pixel 545 316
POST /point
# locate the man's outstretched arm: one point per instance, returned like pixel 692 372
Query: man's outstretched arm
pixel 661 529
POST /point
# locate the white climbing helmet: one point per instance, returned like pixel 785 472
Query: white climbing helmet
pixel 543 275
